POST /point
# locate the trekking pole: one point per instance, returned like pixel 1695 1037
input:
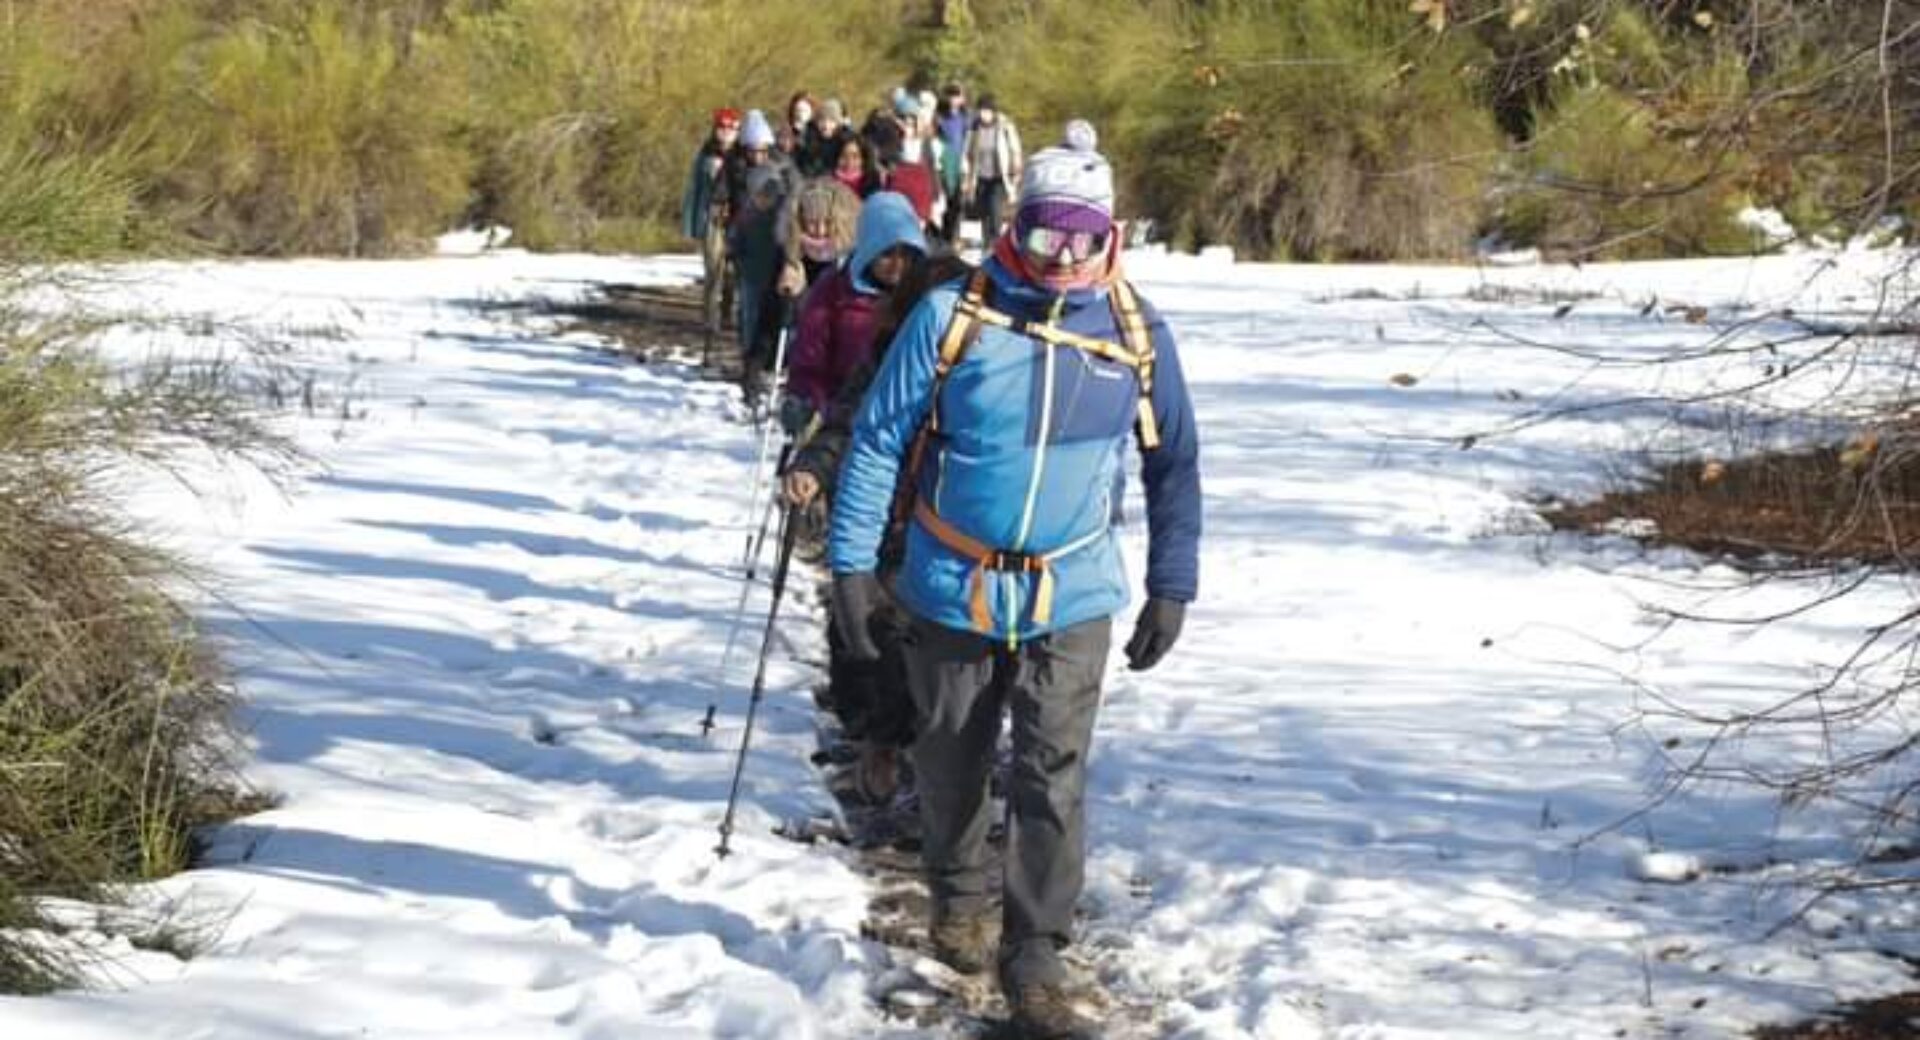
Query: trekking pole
pixel 755 540
pixel 766 428
pixel 789 526
pixel 739 610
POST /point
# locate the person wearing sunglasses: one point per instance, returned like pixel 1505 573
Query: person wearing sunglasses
pixel 1006 406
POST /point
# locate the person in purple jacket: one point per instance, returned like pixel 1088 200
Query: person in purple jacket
pixel 952 122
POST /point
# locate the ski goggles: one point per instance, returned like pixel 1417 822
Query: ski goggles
pixel 1049 243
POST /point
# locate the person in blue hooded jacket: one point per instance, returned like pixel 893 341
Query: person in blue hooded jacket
pixel 1008 403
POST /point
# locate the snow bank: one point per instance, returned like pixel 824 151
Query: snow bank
pixel 1378 789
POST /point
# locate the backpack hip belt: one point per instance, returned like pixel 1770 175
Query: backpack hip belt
pixel 989 560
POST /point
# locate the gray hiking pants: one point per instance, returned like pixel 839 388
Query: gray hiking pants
pixel 961 682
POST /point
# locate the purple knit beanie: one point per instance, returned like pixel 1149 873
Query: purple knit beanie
pixel 1069 188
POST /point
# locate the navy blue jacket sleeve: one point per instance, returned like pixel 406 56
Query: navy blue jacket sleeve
pixel 1171 474
pixel 890 415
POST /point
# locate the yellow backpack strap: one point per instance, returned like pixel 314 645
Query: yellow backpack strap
pixel 963 328
pixel 1059 337
pixel 1139 342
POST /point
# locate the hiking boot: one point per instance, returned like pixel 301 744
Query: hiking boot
pixel 966 942
pixel 1048 1011
pixel 878 773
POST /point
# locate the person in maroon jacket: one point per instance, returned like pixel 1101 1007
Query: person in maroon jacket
pixel 838 315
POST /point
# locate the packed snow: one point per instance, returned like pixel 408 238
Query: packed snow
pixel 1389 785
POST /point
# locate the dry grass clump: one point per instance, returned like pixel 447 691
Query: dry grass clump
pixel 116 736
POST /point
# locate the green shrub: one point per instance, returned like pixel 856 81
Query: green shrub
pixel 316 135
pixel 64 205
pixel 1353 135
pixel 585 113
pixel 1311 129
pixel 1609 176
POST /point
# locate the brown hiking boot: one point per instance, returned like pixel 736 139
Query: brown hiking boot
pixel 1049 1011
pixel 966 942
pixel 877 772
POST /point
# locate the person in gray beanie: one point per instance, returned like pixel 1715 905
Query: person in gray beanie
pixel 756 149
pixel 766 179
pixel 826 139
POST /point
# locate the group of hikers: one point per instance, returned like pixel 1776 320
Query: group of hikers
pixel 771 207
pixel 960 433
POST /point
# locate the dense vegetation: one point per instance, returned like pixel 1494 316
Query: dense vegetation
pixel 1304 129
pixel 116 738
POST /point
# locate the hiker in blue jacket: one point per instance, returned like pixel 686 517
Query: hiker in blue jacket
pixel 1006 403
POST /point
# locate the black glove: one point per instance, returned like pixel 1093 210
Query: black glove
pixel 856 598
pixel 795 413
pixel 1154 633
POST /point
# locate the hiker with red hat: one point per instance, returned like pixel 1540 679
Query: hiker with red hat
pixel 705 210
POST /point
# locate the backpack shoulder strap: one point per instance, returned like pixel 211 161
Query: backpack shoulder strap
pixel 963 330
pixel 1139 341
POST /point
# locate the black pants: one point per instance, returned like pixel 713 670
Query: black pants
pixel 870 697
pixel 955 212
pixel 961 683
pixel 989 204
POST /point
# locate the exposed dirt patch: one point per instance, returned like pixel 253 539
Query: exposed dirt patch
pixel 1852 503
pixel 1848 504
pixel 649 322
pixel 1889 1018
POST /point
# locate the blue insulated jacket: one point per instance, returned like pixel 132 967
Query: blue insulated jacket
pixel 1029 458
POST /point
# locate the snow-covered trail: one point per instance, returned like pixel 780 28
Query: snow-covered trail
pixel 477 649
